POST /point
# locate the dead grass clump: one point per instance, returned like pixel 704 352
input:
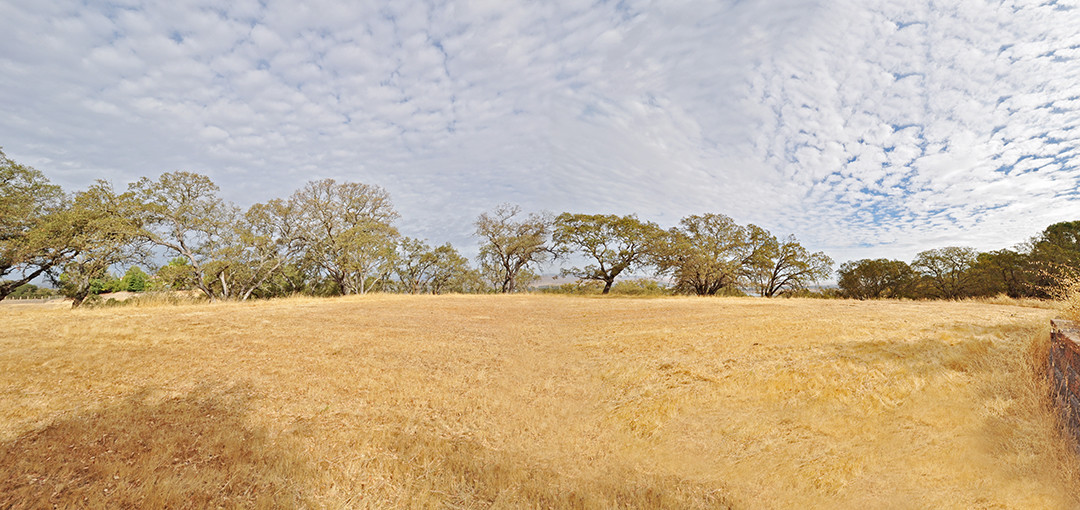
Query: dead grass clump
pixel 1005 299
pixel 1038 396
pixel 194 451
pixel 1067 293
pixel 458 472
pixel 147 299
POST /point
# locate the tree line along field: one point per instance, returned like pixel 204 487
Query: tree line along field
pixel 339 238
pixel 331 238
pixel 393 401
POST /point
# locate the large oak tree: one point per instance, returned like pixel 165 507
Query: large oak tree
pixel 708 253
pixel 786 265
pixel 511 242
pixel 947 270
pixel 876 278
pixel 35 233
pixel 347 230
pixel 614 243
pixel 108 233
pixel 182 213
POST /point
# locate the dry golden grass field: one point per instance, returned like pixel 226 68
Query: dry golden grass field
pixel 530 401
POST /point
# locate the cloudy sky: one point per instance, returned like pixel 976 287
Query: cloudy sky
pixel 866 128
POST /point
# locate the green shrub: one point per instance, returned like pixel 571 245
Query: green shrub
pixel 640 287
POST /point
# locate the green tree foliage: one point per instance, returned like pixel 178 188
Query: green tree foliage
pixel 134 280
pixel 182 213
pixel 453 274
pixel 876 278
pixel 1059 244
pixel 708 254
pixel 31 291
pixel 510 243
pixel 413 265
pixel 107 283
pixel 1007 272
pixel 947 271
pixel 640 287
pixel 106 233
pixel 259 243
pixel 177 275
pixel 786 265
pixel 227 254
pixel 1054 256
pixel 423 270
pixel 614 243
pixel 37 232
pixel 347 232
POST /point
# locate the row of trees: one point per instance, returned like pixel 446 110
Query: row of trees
pixel 704 255
pixel 339 238
pixel 1032 269
pixel 328 237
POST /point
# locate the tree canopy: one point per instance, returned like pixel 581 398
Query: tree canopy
pixel 511 242
pixel 786 265
pixel 614 243
pixel 36 228
pixel 333 237
pixel 347 230
pixel 876 278
pixel 108 233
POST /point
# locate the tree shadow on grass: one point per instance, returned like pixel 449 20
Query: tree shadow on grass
pixel 193 451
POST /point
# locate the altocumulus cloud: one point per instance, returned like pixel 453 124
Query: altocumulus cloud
pixel 867 128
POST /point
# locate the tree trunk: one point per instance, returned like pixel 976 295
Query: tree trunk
pixel 206 290
pixel 224 285
pixel 607 285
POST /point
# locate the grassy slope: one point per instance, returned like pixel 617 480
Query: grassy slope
pixel 543 401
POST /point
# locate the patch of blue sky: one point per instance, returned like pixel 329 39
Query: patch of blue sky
pixel 900 25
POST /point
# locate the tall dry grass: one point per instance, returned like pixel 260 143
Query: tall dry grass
pixel 531 401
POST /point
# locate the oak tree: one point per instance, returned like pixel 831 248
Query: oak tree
pixel 708 253
pixel 36 234
pixel 107 233
pixel 182 213
pixel 614 243
pixel 786 265
pixel 423 270
pixel 947 270
pixel 347 231
pixel 876 278
pixel 511 243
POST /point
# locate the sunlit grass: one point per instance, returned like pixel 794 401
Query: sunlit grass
pixel 535 401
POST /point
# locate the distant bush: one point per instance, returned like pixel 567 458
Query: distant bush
pixel 31 291
pixel 730 292
pixel 825 293
pixel 640 287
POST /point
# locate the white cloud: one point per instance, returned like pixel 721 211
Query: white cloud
pixel 865 128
